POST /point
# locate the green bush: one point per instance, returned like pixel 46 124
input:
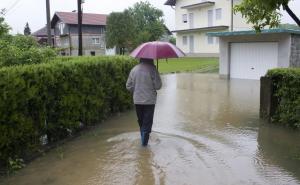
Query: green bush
pixel 20 49
pixel 287 90
pixel 58 99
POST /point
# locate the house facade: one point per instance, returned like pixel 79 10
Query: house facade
pixel 65 26
pixel 42 37
pixel 194 18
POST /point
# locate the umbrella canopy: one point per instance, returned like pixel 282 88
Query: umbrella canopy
pixel 157 50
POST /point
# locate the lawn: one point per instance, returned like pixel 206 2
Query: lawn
pixel 201 65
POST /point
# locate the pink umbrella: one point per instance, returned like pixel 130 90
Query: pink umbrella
pixel 157 50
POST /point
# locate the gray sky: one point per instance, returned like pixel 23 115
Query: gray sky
pixel 33 11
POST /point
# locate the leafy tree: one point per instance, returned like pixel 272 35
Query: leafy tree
pixel 27 30
pixel 128 29
pixel 4 28
pixel 172 40
pixel 264 13
pixel 120 30
pixel 149 24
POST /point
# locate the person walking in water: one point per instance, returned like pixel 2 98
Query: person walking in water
pixel 143 82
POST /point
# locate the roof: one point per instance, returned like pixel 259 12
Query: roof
pixel 196 5
pixel 252 32
pixel 42 32
pixel 203 29
pixel 170 2
pixel 72 18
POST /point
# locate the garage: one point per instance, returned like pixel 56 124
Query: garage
pixel 252 60
pixel 249 55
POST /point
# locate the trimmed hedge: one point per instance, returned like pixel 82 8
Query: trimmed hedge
pixel 286 84
pixel 57 99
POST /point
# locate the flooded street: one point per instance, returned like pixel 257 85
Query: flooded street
pixel 206 131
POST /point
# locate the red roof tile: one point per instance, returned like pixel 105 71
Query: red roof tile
pixel 87 18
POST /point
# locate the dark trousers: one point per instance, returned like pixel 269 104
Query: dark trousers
pixel 145 115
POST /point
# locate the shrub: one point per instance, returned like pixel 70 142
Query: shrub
pixel 57 98
pixel 20 49
pixel 287 90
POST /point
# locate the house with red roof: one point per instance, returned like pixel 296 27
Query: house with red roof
pixel 42 37
pixel 65 27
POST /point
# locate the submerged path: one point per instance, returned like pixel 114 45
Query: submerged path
pixel 206 132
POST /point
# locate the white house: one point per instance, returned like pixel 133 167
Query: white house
pixel 194 18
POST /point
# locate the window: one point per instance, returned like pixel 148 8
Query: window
pixel 61 27
pixel 217 40
pixel 93 53
pixel 96 40
pixel 210 17
pixel 184 18
pixel 210 40
pixel 191 20
pixel 184 40
pixel 102 30
pixel 218 13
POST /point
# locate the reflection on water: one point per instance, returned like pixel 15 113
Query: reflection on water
pixel 206 131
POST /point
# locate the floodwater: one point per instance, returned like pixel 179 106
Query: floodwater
pixel 206 131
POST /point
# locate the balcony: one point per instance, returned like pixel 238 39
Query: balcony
pixel 199 5
pixel 202 29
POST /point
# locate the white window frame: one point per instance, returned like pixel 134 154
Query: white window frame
pixel 96 40
pixel 218 13
pixel 210 40
pixel 184 40
pixel 184 18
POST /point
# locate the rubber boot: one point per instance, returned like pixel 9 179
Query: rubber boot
pixel 145 138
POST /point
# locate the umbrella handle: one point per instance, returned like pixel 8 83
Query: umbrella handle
pixel 157 64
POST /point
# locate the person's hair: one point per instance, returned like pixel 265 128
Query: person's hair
pixel 145 60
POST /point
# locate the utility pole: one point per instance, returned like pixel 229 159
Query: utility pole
pixel 79 2
pixel 231 26
pixel 48 23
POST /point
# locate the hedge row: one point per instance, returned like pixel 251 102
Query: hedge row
pixel 287 90
pixel 57 99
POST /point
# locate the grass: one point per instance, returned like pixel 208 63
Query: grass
pixel 201 65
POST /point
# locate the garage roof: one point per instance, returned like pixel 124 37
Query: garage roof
pixel 251 32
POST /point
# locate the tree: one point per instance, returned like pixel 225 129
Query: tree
pixel 133 26
pixel 120 30
pixel 4 28
pixel 27 30
pixel 149 24
pixel 172 40
pixel 264 13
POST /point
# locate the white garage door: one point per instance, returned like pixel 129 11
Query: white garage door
pixel 252 60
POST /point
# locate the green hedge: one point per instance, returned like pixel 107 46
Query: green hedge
pixel 287 90
pixel 58 99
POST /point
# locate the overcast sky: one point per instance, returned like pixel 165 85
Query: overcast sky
pixel 33 11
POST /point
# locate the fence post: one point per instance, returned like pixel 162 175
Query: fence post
pixel 268 101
